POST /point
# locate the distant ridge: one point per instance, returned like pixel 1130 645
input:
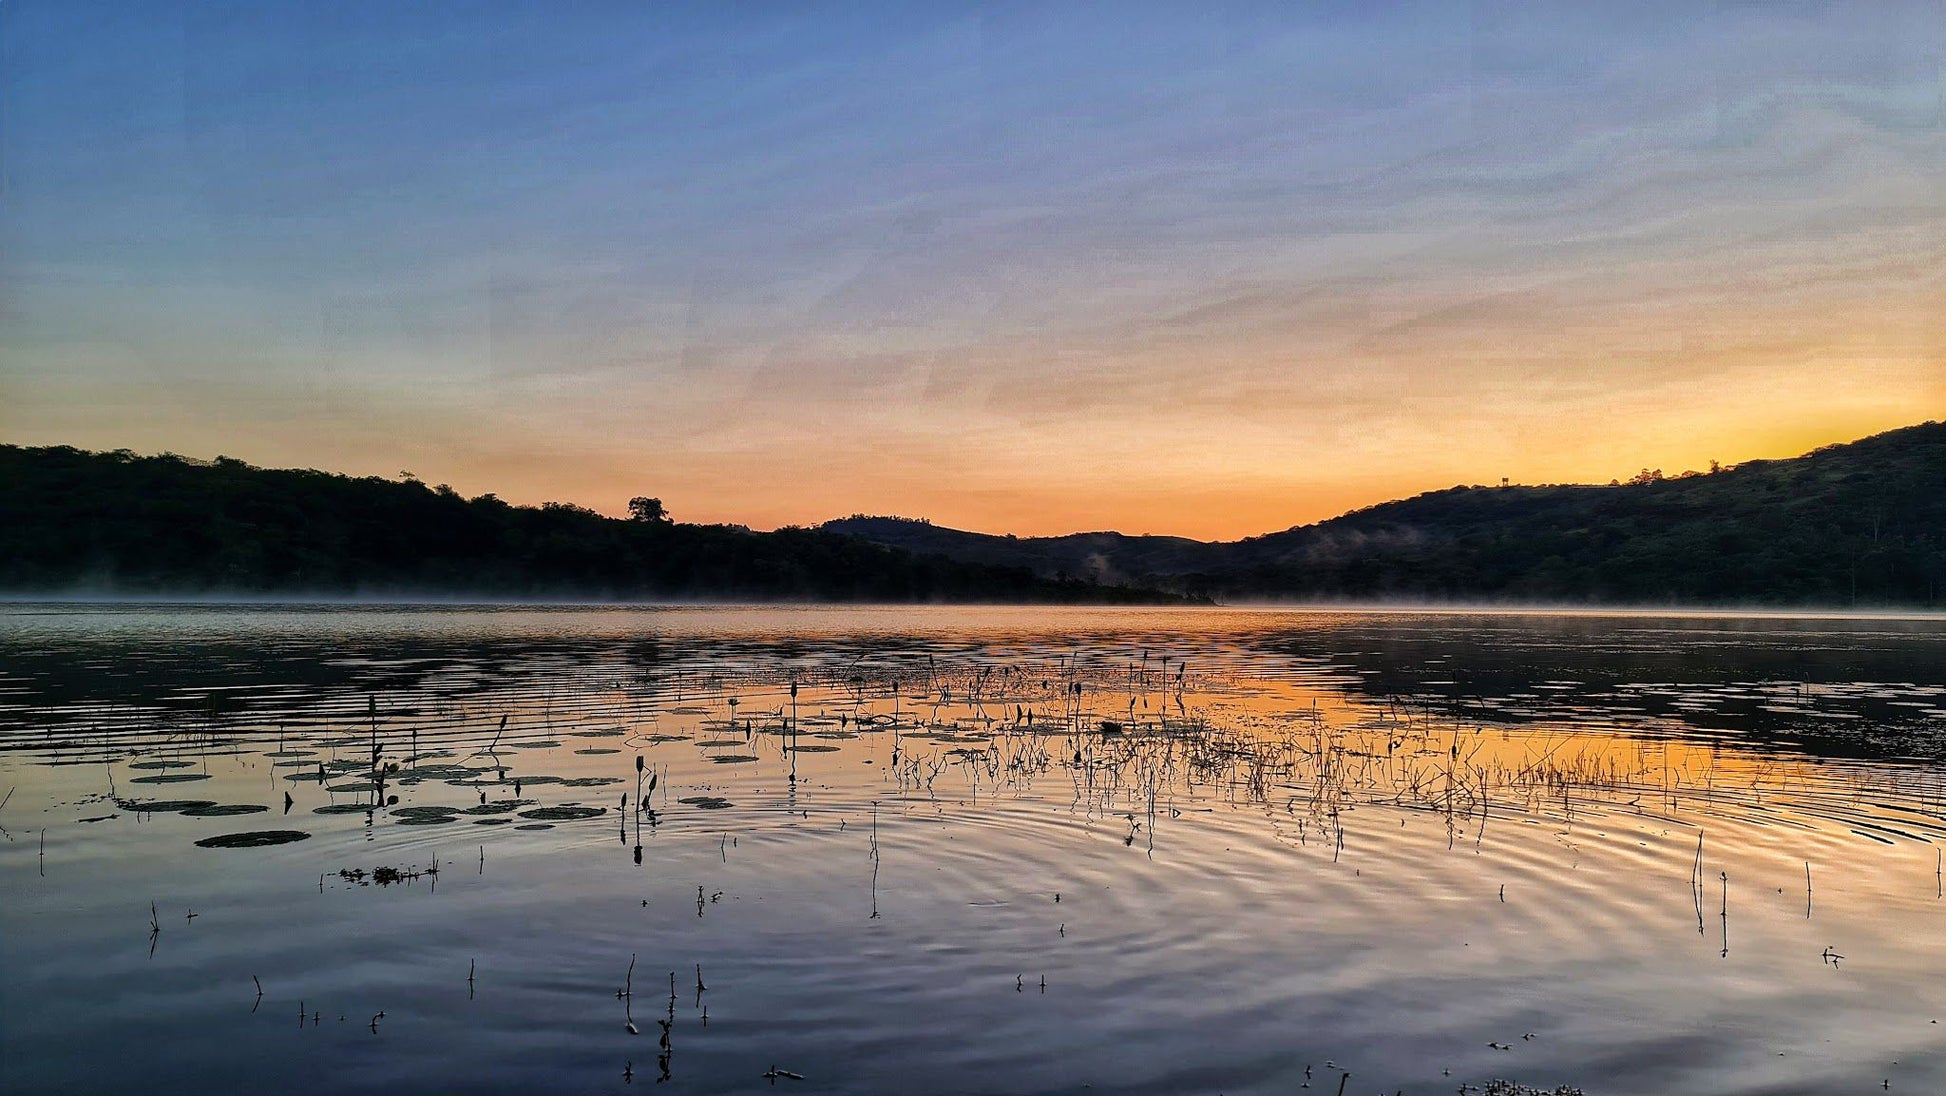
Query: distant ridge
pixel 117 524
pixel 1857 524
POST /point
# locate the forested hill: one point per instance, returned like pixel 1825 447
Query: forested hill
pixel 74 522
pixel 1860 524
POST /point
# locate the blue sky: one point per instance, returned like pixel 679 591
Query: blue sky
pixel 1014 267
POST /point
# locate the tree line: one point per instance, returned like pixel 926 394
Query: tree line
pixel 73 521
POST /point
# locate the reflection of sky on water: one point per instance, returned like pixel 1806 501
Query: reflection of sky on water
pixel 1396 843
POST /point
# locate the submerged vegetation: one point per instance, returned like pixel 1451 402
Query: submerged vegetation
pixel 118 523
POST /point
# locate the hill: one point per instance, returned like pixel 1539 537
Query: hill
pixel 1859 524
pixel 1098 557
pixel 117 523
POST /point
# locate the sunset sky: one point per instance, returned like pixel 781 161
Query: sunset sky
pixel 1191 269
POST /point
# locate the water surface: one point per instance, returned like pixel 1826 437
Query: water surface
pixel 968 850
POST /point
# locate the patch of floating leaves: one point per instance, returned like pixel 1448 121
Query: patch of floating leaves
pixel 223 810
pixel 425 816
pixel 563 814
pixel 706 802
pixel 733 759
pixel 254 839
pixel 384 876
pixel 498 806
pixel 441 772
pixel 163 806
pixel 495 782
pixel 169 778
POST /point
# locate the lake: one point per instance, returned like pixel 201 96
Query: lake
pixel 968 850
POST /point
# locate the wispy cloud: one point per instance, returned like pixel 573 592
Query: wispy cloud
pixel 1012 268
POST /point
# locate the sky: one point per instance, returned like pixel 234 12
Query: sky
pixel 1209 270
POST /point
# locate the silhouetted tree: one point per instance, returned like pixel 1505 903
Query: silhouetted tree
pixel 72 520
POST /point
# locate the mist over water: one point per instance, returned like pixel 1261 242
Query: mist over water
pixel 968 850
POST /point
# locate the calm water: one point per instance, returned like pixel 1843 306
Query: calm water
pixel 957 850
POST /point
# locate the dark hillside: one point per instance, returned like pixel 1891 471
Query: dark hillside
pixel 1102 557
pixel 73 521
pixel 1857 524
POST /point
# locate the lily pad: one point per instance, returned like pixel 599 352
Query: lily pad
pixel 163 806
pixel 343 808
pixel 170 778
pixel 706 802
pixel 254 839
pixel 441 772
pixel 536 826
pixel 733 759
pixel 594 750
pixel 500 806
pixel 424 812
pixel 563 814
pixel 224 810
pixel 426 819
pixel 160 765
pixel 491 821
